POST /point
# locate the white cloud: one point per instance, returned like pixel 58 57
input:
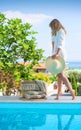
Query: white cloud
pixel 30 18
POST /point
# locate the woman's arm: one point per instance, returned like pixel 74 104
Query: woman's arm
pixel 52 46
pixel 57 53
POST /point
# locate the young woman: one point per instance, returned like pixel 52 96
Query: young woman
pixel 58 41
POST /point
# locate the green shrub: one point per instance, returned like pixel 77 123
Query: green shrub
pixel 41 76
pixel 73 82
pixel 76 73
pixel 79 89
pixel 53 78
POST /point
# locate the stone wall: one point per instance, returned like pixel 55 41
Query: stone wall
pixel 34 89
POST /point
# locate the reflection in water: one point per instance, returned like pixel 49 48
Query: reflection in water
pixel 66 127
pixel 39 119
pixel 59 122
pixel 21 121
pixel 69 123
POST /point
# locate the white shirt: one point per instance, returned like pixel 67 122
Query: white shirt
pixel 59 42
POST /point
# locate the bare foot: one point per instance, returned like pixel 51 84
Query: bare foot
pixel 57 97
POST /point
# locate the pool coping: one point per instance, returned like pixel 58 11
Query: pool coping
pixel 49 99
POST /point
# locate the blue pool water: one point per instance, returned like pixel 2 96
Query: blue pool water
pixel 40 116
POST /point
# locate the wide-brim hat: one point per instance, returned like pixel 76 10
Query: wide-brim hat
pixel 55 66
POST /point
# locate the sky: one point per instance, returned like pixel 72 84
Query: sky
pixel 39 14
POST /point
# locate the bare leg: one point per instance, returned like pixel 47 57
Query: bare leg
pixel 60 83
pixel 67 83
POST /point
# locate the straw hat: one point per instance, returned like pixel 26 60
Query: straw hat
pixel 55 66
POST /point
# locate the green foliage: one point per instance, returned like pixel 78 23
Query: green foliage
pixel 7 82
pixel 73 82
pixel 53 78
pixel 17 41
pixel 75 77
pixel 76 73
pixel 40 76
pixel 79 89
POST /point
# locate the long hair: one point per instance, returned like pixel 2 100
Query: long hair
pixel 56 26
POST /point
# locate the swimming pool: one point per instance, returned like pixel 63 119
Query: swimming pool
pixel 40 116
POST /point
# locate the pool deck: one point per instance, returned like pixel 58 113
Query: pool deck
pixel 65 98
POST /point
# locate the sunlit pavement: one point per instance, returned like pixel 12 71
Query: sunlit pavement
pixel 65 98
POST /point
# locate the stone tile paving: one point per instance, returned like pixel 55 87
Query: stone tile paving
pixel 65 98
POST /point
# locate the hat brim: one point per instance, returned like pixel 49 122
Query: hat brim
pixel 55 66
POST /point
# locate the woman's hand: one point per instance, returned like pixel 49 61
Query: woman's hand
pixel 54 56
